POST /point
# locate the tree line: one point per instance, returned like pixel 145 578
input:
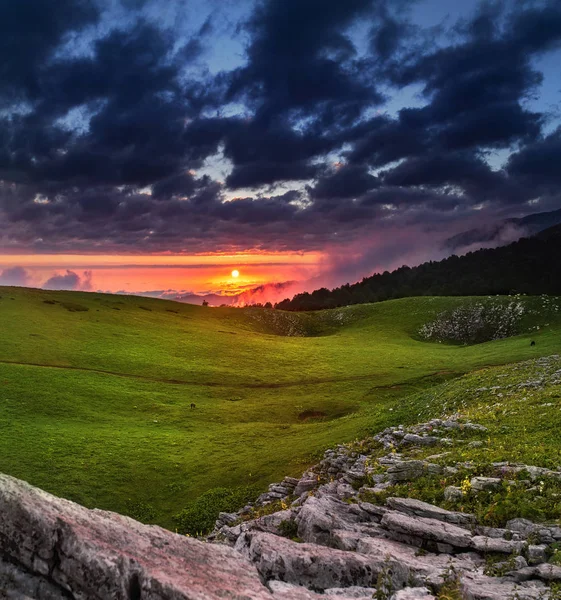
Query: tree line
pixel 528 266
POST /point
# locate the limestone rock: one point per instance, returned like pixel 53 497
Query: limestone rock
pixel 305 485
pixel 319 516
pixel 427 529
pixel 480 587
pixel 314 566
pixel 416 508
pixel 417 593
pixel 98 555
pixel 452 492
pixel 408 470
pixel 537 554
pixel 288 591
pixel 480 484
pixel 483 543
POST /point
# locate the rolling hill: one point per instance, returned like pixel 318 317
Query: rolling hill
pixel 96 390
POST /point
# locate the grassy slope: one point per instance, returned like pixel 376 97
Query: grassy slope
pixel 519 404
pixel 107 421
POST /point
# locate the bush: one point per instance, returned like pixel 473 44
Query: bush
pixel 288 528
pixel 200 517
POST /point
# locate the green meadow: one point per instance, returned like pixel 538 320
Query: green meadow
pixel 96 390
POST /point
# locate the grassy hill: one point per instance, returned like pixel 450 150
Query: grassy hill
pixel 95 390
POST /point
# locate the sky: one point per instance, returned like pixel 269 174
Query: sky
pixel 154 147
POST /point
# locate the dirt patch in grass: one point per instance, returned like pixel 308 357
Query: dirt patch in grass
pixel 311 414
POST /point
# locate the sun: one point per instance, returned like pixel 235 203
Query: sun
pixel 235 273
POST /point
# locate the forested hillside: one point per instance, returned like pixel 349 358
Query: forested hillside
pixel 529 266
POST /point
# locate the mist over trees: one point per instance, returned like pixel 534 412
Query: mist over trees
pixel 529 266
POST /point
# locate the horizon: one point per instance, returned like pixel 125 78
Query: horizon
pixel 154 149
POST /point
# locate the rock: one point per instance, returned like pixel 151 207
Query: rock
pixel 375 511
pixel 287 591
pixel 423 566
pixel 417 593
pixel 408 470
pixel 548 572
pixel 228 518
pixel 290 482
pixel 485 544
pixel 522 526
pixel 452 492
pixel 315 566
pixel 523 574
pixel 55 544
pixel 475 444
pixel 475 586
pixel 419 440
pixel 416 508
pixel 359 593
pixel 319 516
pixel 305 485
pixel 480 484
pixel 345 491
pixel 537 554
pixel 426 529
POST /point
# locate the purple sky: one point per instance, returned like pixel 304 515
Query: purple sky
pixel 367 130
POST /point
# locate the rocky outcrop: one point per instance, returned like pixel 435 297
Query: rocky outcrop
pixel 53 549
pixel 403 549
pixel 327 542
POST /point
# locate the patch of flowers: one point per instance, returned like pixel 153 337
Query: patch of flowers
pixel 475 323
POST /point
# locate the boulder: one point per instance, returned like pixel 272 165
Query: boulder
pixel 53 544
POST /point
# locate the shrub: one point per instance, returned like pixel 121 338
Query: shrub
pixel 199 518
pixel 288 528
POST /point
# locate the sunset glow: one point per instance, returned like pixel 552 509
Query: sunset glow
pixel 183 277
pixel 157 152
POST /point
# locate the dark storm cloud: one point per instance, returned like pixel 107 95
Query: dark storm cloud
pixel 539 163
pixel 461 169
pixel 301 59
pixel 345 182
pixel 117 137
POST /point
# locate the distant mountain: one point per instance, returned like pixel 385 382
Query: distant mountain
pixel 528 266
pixel 502 233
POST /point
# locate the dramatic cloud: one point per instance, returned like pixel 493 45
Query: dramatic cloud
pixel 272 125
